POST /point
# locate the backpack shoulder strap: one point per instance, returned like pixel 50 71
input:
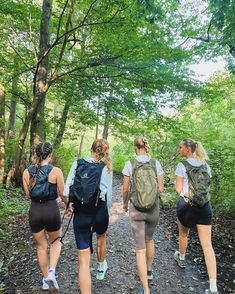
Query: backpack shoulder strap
pixel 80 161
pixel 134 163
pixel 152 162
pixel 101 165
pixel 31 170
pixel 49 168
pixel 187 165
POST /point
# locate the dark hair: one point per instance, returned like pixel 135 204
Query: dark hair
pixel 189 143
pixel 43 150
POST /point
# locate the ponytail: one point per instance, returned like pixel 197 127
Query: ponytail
pixel 200 152
pixel 141 142
pixel 197 149
pixel 101 148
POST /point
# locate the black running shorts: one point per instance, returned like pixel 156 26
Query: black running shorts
pixel 82 224
pixel 190 216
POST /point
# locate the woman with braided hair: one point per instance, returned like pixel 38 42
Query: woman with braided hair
pixel 88 219
pixel 143 223
pixel 42 183
pixel 191 213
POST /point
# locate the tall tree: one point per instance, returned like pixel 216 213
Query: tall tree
pixel 62 125
pixel 40 87
pixel 2 134
pixel 37 132
pixel 14 93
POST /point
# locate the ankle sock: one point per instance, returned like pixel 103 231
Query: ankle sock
pixel 213 285
pixel 100 265
pixel 52 270
pixel 182 256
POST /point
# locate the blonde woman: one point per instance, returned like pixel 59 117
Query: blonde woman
pixel 143 224
pixel 42 183
pixel 86 219
pixel 190 215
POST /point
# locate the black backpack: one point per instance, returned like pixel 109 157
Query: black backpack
pixel 85 191
pixel 199 184
pixel 39 185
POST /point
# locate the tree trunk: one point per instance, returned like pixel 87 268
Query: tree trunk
pixel 97 119
pixel 81 143
pixel 12 117
pixel 106 128
pixel 40 90
pixel 63 120
pixel 56 105
pixel 2 134
pixel 37 131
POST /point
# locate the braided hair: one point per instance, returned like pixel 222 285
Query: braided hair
pixel 43 150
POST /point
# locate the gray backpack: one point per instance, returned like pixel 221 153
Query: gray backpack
pixel 199 184
pixel 143 192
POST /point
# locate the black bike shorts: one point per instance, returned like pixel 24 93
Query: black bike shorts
pixel 190 216
pixel 44 215
pixel 83 222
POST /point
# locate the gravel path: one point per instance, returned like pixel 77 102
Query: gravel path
pixel 23 275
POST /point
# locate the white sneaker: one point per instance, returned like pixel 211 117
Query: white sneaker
pixel 51 282
pixel 101 271
pixel 208 291
pixel 45 286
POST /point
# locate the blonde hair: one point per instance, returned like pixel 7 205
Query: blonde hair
pixel 197 149
pixel 141 142
pixel 101 148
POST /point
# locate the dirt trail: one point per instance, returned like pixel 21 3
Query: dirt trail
pixel 23 275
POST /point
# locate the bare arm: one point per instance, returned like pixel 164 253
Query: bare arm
pixel 60 186
pixel 179 184
pixel 160 180
pixel 26 182
pixel 125 189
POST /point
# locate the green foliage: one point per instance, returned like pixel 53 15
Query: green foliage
pixel 121 154
pixel 121 62
pixel 12 203
pixel 63 157
pixel 210 121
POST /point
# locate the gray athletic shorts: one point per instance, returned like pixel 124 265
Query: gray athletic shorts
pixel 143 225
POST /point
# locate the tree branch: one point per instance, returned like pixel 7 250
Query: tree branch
pixel 60 19
pixel 83 68
pixel 18 54
pixel 31 38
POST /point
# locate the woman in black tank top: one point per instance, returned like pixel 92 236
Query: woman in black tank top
pixel 44 214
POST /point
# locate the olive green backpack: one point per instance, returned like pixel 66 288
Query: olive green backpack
pixel 199 184
pixel 144 192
